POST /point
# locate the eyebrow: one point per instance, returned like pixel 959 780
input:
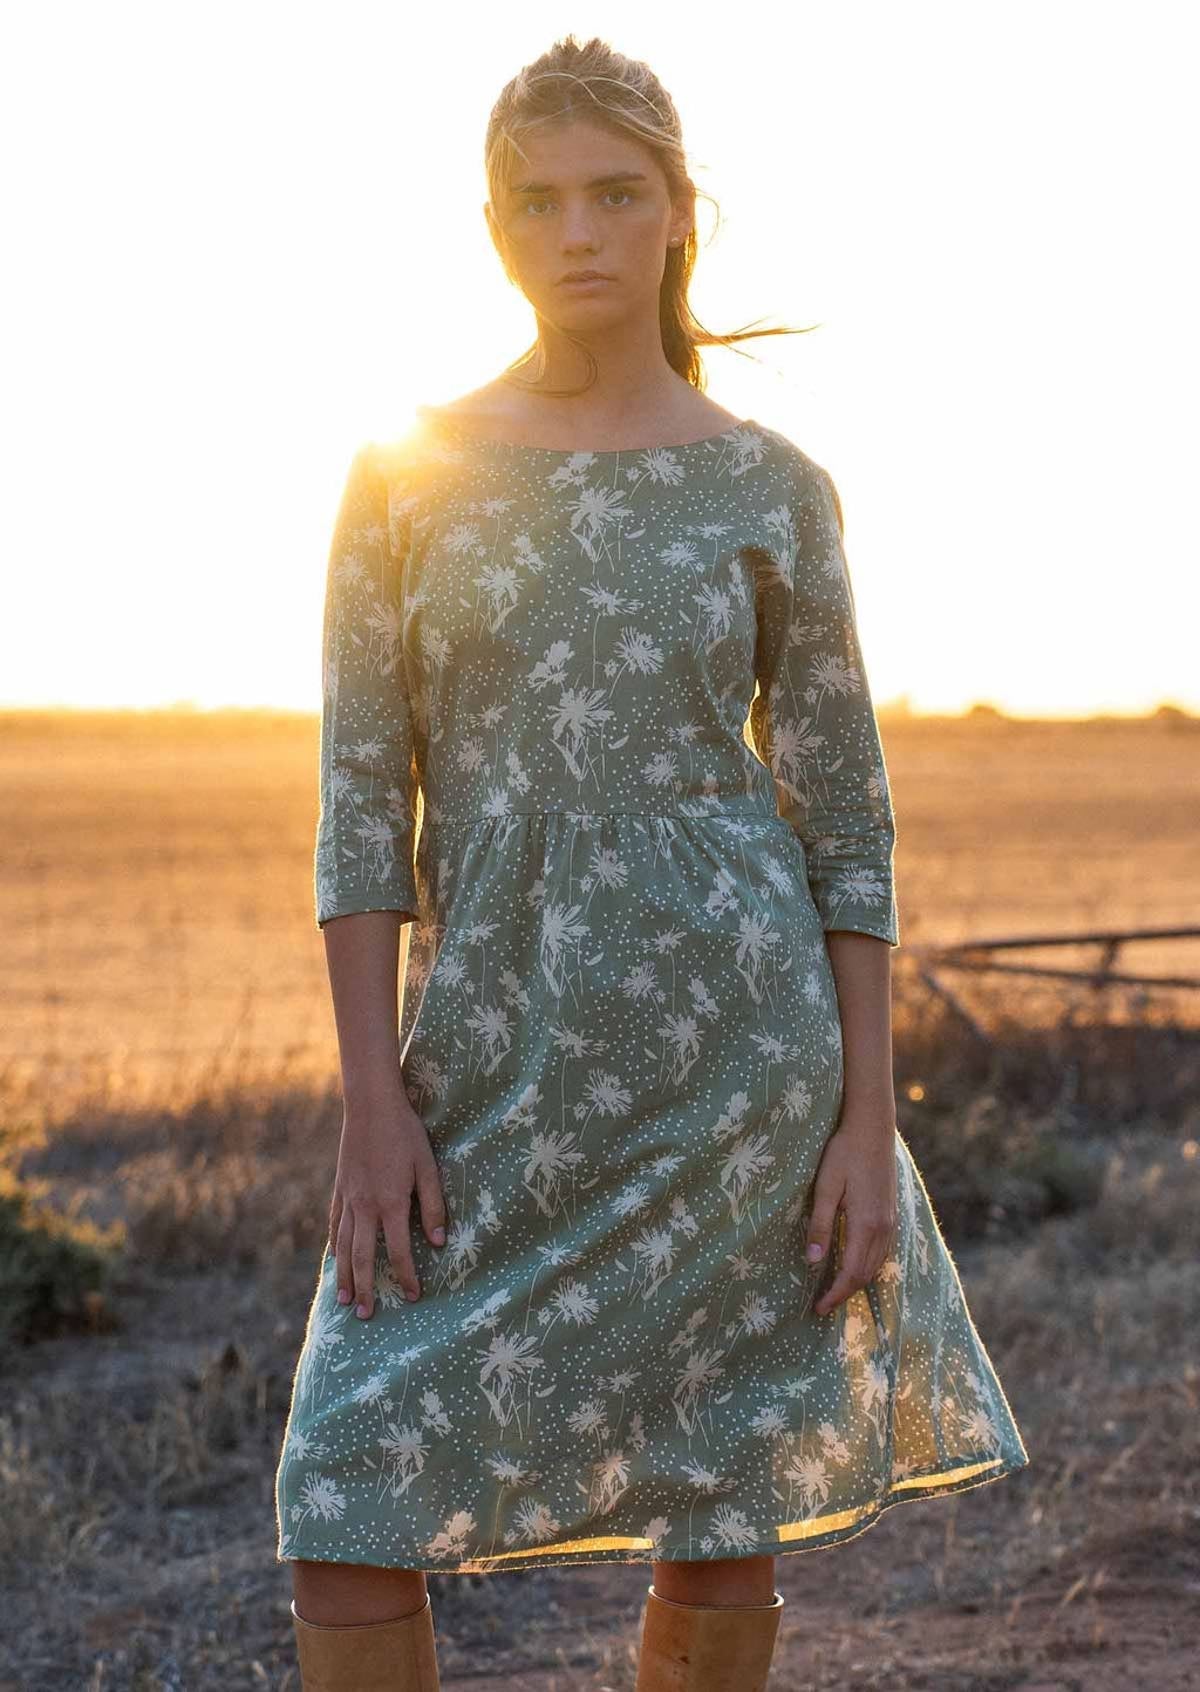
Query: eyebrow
pixel 596 182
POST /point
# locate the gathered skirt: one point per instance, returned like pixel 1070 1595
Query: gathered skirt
pixel 615 1355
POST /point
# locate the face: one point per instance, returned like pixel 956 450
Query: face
pixel 586 199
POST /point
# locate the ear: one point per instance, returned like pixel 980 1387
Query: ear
pixel 683 213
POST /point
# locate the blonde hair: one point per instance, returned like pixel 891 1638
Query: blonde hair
pixel 592 81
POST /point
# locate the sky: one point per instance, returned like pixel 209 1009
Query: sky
pixel 246 238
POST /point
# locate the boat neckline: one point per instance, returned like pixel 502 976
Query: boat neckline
pixel 449 423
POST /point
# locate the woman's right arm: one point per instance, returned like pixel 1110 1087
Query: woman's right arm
pixel 365 887
pixel 385 1154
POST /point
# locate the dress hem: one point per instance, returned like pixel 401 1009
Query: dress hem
pixel 839 1526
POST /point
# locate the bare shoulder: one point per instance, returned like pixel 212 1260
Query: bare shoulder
pixel 716 415
pixel 491 403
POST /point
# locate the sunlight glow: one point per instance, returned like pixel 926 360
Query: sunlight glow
pixel 237 262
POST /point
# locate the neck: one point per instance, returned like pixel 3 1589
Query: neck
pixel 633 379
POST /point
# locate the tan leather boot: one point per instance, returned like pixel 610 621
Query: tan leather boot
pixel 387 1656
pixel 706 1647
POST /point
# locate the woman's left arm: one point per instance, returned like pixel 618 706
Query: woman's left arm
pixel 857 1172
pixel 814 723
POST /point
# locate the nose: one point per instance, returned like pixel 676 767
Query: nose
pixel 577 232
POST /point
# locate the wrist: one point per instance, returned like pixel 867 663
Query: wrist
pixel 870 1113
pixel 372 1091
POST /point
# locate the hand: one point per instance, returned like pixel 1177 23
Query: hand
pixel 858 1172
pixel 384 1156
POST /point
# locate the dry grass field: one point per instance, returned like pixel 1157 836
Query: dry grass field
pixel 168 1080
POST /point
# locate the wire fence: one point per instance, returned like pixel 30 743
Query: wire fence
pixel 978 958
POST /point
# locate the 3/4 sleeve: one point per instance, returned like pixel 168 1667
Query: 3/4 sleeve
pixel 368 776
pixel 814 724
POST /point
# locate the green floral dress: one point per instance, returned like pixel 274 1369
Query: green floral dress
pixel 620 1024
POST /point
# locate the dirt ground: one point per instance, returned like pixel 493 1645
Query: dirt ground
pixel 862 1616
pixel 1079 1574
pixel 146 916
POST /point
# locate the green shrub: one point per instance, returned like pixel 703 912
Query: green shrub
pixel 54 1270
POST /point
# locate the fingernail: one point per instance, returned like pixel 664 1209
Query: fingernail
pixel 413 1296
pixel 439 1236
pixel 343 1296
pixel 362 1310
pixel 814 1251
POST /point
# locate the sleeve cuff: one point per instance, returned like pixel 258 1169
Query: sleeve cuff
pixel 349 904
pixel 879 930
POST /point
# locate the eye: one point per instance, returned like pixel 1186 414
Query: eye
pixel 529 205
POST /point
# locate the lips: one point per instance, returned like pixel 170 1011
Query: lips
pixel 585 276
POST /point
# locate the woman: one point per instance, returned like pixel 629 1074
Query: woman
pixel 674 1293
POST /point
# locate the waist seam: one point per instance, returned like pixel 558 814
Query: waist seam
pixel 598 816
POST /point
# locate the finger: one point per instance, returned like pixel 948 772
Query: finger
pixel 884 1247
pixel 821 1223
pixel 861 1247
pixel 362 1257
pixel 432 1202
pixel 399 1244
pixel 843 1284
pixel 875 1247
pixel 345 1272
